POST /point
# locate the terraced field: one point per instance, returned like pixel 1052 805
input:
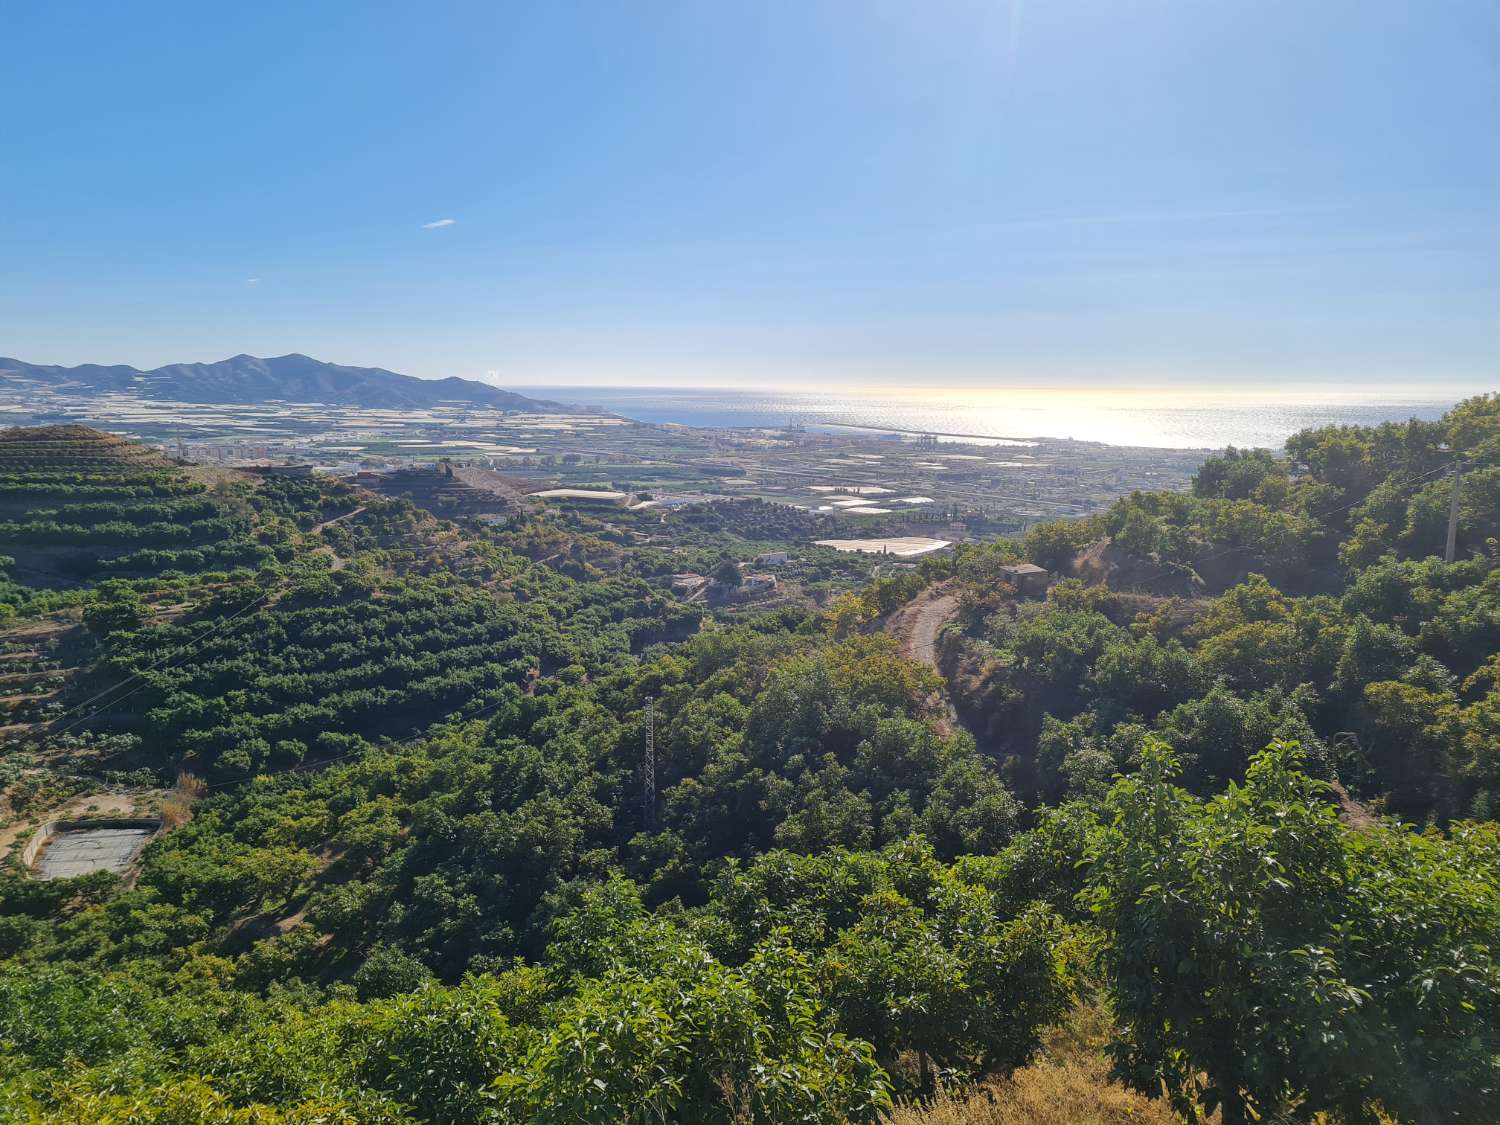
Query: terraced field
pixel 79 506
pixel 138 616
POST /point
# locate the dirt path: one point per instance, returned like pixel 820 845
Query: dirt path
pixel 918 624
pixel 336 519
pixel 335 562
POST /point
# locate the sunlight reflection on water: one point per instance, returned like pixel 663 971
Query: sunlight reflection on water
pixel 1148 419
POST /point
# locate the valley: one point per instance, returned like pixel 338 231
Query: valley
pixel 397 756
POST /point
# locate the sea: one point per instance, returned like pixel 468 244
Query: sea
pixel 1155 419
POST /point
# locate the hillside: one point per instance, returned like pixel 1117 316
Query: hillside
pixel 411 868
pixel 78 505
pixel 287 378
pixel 1301 598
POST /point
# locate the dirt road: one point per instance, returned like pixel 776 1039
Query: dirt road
pixel 336 519
pixel 337 562
pixel 917 625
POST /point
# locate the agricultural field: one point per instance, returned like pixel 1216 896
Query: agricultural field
pixel 76 506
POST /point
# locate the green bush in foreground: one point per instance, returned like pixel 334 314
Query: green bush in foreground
pixel 1255 940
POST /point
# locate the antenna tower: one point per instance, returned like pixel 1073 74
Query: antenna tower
pixel 648 781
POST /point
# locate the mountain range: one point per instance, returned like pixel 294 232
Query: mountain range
pixel 289 378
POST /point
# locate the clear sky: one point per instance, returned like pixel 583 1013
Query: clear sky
pixel 802 193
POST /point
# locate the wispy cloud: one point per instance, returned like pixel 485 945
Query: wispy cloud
pixel 438 223
pixel 252 281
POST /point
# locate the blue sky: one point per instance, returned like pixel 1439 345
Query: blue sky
pixel 810 194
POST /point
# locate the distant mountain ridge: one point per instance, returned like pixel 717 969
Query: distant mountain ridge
pixel 247 379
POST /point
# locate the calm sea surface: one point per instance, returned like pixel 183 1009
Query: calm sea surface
pixel 1166 420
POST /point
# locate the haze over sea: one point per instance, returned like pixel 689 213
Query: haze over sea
pixel 1162 419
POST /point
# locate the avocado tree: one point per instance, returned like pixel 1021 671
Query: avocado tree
pixel 1264 957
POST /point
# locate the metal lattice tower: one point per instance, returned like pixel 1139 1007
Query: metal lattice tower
pixel 648 772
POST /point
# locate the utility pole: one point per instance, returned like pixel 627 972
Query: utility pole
pixel 1458 476
pixel 648 781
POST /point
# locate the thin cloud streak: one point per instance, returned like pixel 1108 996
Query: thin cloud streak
pixel 438 223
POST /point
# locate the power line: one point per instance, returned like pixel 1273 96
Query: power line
pixel 321 763
pixel 1319 516
pixel 182 654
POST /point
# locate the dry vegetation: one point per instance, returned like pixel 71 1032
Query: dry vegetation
pixel 177 807
pixel 1067 1084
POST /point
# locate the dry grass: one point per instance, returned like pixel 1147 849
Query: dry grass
pixel 1044 1093
pixel 1068 1084
pixel 177 806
